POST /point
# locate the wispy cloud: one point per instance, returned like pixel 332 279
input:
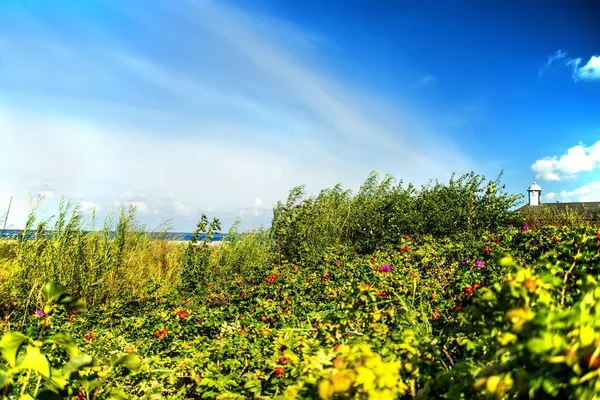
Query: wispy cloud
pixel 590 71
pixel 225 110
pixel 577 159
pixel 559 55
pixel 426 80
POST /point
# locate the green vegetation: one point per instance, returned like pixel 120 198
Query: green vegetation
pixel 540 217
pixel 391 293
pixel 382 212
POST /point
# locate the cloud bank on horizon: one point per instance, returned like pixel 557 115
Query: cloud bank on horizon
pixel 221 107
pixel 191 109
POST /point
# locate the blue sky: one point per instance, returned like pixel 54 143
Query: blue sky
pixel 222 107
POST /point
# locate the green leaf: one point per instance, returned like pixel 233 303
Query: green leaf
pixel 539 345
pixel 118 394
pixel 90 384
pixel 78 305
pixel 5 377
pixel 56 293
pixel 130 361
pixel 10 345
pixel 76 363
pixel 67 342
pixel 53 292
pixel 58 380
pixel 36 361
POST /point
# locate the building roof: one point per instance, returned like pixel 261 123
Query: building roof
pixel 590 209
pixel 535 186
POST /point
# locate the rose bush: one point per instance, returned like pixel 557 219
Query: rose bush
pixel 506 314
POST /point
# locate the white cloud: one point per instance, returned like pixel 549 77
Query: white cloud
pixel 182 209
pixel 577 159
pixel 257 210
pixel 585 193
pixel 140 206
pixel 43 188
pixel 588 72
pixel 134 195
pixel 88 206
pixel 549 196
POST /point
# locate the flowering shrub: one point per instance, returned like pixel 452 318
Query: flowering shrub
pixel 509 314
pixel 81 374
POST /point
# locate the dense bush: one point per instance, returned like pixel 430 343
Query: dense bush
pixel 431 318
pixel 382 213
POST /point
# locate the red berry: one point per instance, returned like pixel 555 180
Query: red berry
pixel 279 371
pixel 283 360
pixel 468 291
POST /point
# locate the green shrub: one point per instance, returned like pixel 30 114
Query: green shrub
pixel 195 273
pixel 382 213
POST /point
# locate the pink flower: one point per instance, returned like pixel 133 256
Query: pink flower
pixel 385 268
pixel 479 263
pixel 525 228
pixel 41 313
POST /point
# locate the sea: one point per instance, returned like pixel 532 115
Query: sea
pixel 171 236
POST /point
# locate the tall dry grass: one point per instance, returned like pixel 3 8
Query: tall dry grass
pixel 117 261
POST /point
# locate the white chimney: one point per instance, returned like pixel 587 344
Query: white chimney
pixel 535 194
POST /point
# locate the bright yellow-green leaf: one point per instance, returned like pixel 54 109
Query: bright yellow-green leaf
pixel 117 394
pixel 10 345
pixel 586 335
pixel 130 361
pixel 365 377
pixel 67 342
pixel 36 361
pixel 326 390
pixel 57 379
pixel 491 385
pixel 507 338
